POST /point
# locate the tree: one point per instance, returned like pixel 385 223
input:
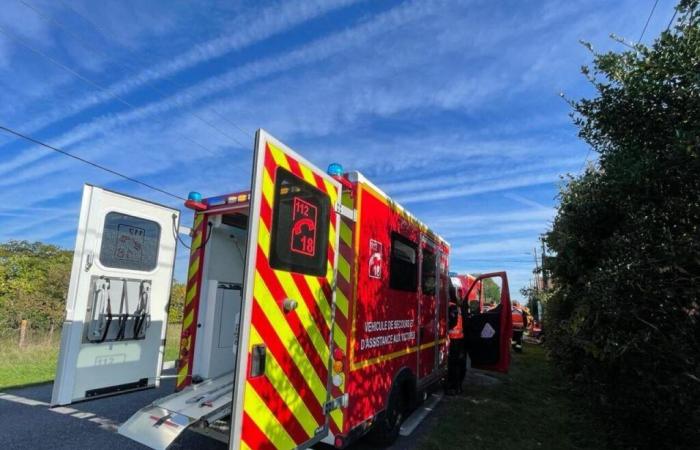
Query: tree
pixel 33 283
pixel 492 293
pixel 177 302
pixel 624 320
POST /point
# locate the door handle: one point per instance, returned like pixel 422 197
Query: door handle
pixel 257 360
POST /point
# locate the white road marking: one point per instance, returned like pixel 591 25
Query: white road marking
pixel 103 422
pixel 419 414
pixel 63 410
pixel 22 400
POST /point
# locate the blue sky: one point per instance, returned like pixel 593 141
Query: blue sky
pixel 451 107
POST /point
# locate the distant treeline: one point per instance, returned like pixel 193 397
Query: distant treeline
pixel 34 281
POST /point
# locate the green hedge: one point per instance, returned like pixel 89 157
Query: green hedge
pixel 624 319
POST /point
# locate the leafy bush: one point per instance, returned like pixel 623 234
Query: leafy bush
pixel 33 283
pixel 624 320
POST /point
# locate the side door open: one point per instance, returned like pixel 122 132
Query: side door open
pixel 428 312
pixel 117 304
pixel 284 371
pixel 489 332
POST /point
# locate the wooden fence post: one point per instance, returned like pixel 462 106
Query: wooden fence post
pixel 23 333
pixel 50 339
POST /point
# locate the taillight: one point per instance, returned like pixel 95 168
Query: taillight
pixel 338 364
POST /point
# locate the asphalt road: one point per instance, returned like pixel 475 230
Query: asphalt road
pixel 26 422
pixel 35 426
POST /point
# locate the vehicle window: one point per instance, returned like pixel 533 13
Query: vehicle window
pixel 428 269
pixel 129 242
pixel 300 221
pixel 403 270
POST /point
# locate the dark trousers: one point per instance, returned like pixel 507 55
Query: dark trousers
pixel 456 364
pixel 518 339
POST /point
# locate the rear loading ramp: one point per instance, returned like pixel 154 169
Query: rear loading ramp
pixel 199 405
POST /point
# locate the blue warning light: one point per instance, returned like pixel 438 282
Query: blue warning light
pixel 335 170
pixel 194 196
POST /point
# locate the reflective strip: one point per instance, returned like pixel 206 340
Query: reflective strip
pixel 344 268
pixel 187 321
pixel 279 156
pixel 304 314
pixel 194 268
pixel 291 396
pixel 284 388
pixel 285 334
pixel 189 309
pixel 265 420
pixel 345 234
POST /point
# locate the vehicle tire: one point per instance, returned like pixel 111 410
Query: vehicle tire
pixel 386 428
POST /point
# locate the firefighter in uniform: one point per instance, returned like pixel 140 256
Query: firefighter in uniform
pixel 457 357
pixel 520 324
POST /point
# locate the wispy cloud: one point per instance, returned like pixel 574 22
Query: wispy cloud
pixel 449 106
pixel 244 31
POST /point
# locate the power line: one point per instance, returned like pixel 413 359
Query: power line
pixel 670 22
pixel 89 81
pixel 105 33
pixel 656 2
pixel 95 49
pixel 86 161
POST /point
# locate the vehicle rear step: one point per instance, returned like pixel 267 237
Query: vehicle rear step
pixel 199 405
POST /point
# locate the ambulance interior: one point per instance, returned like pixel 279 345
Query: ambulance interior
pixel 221 295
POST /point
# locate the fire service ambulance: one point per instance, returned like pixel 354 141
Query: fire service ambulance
pixel 315 309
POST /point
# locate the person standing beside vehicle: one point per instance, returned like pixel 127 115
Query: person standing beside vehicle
pixel 457 356
pixel 520 322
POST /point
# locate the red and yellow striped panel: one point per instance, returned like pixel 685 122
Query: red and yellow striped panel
pixel 191 306
pixel 343 294
pixel 283 408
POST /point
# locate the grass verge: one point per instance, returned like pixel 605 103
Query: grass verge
pixel 36 363
pixel 530 408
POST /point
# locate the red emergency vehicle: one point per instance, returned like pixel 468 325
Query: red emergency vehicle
pixel 315 310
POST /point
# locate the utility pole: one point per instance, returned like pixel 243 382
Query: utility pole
pixel 537 269
pixel 545 280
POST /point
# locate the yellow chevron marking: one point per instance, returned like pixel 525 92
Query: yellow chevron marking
pixel 337 417
pixel 341 302
pixel 341 341
pixel 264 239
pixel 344 268
pixel 196 241
pixel 190 293
pixel 285 389
pixel 279 156
pixel 308 175
pixel 182 373
pixel 194 268
pixel 330 187
pixel 265 419
pixel 268 187
pixel 198 218
pixel 304 314
pixel 288 339
pixel 345 233
pixel 187 321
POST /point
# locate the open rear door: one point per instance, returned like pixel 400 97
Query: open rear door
pixel 283 371
pixel 117 304
pixel 489 332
